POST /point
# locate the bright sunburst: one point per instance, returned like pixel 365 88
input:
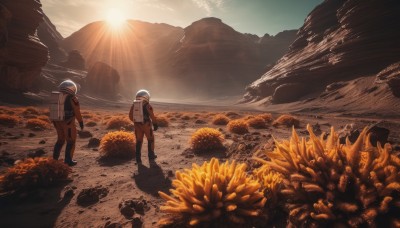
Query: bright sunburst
pixel 115 18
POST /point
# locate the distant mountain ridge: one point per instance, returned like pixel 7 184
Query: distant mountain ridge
pixel 206 58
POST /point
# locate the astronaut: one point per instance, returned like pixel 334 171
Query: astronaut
pixel 142 114
pixel 65 126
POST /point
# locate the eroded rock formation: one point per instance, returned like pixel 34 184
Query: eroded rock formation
pixel 391 76
pixel 22 55
pixel 49 36
pixel 75 60
pixel 340 40
pixel 102 80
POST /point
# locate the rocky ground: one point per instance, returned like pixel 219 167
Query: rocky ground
pixel 118 192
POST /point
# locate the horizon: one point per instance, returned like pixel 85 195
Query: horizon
pixel 259 18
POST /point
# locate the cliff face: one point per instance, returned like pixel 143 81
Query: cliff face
pixel 22 55
pixel 340 40
pixel 49 36
pixel 206 58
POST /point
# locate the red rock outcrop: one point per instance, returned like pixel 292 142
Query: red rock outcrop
pixel 340 40
pixel 391 76
pixel 22 55
pixel 75 60
pixel 206 58
pixel 48 35
pixel 102 80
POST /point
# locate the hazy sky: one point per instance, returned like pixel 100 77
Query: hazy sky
pixel 246 16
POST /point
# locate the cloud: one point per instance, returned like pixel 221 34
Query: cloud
pixel 209 5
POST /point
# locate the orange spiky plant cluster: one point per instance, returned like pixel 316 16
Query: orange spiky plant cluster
pixel 239 126
pixel 34 172
pixel 37 124
pixel 8 120
pixel 118 122
pixel 257 122
pixel 213 192
pixel 220 119
pixel 327 183
pixel 206 139
pixel 286 120
pixel 118 144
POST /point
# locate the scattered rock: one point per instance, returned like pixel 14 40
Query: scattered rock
pixel 37 153
pixel 42 141
pixel 93 142
pixel 68 192
pixel 90 196
pixel 200 122
pixel 126 209
pixel 350 132
pixel 378 134
pixel 84 134
pixel 129 207
pixel 31 135
pixel 110 224
pixel 137 222
pixel 170 173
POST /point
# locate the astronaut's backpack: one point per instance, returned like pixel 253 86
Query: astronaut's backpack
pixel 138 116
pixel 57 100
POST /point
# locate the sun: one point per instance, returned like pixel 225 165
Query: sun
pixel 115 18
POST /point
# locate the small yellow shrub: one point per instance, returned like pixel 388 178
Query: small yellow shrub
pixel 220 119
pixel 31 111
pixel 206 139
pixel 257 122
pixel 266 116
pixel 162 121
pixel 287 120
pixel 186 117
pixel 44 118
pixel 8 120
pixel 34 172
pixel 37 124
pixel 118 144
pixel 212 193
pixel 238 126
pixel 118 122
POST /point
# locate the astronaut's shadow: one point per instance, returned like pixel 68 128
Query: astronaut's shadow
pixel 151 179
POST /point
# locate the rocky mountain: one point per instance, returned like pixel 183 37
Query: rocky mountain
pixel 22 55
pixel 340 40
pixel 204 59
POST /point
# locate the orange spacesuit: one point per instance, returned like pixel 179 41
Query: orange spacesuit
pixel 66 129
pixel 143 124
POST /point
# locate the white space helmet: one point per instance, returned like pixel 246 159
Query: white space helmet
pixel 68 87
pixel 143 95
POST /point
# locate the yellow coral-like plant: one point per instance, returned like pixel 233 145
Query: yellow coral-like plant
pixel 220 119
pixel 239 126
pixel 34 172
pixel 214 191
pixel 327 183
pixel 118 144
pixel 206 139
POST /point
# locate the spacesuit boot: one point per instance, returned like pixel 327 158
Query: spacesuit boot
pixel 150 150
pixel 139 152
pixel 68 152
pixel 57 149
